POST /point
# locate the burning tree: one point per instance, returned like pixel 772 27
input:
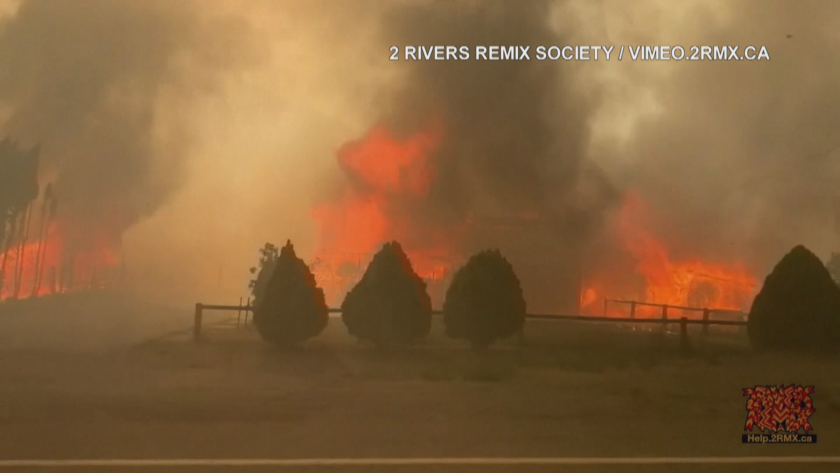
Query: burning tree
pixel 484 303
pixel 268 260
pixel 49 207
pixel 798 307
pixel 18 191
pixel 390 304
pixel 293 307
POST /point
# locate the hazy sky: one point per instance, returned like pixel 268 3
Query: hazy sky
pixel 231 112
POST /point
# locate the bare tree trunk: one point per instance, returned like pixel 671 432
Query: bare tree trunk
pixel 21 218
pixel 4 236
pixel 22 250
pixel 42 248
pixel 9 238
pixel 38 254
pixel 42 256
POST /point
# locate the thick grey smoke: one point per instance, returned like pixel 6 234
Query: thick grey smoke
pixel 734 157
pixel 737 161
pixel 98 84
pixel 516 135
pixel 516 132
pixel 742 160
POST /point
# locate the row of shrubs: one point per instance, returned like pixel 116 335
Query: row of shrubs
pixel 390 305
pixel 797 308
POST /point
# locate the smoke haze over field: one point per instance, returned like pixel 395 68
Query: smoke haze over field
pixel 740 159
pixel 206 130
pixel 93 81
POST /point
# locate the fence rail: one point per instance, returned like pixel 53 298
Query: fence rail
pixel 705 322
pixel 684 322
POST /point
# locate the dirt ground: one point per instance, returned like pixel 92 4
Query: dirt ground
pixel 567 389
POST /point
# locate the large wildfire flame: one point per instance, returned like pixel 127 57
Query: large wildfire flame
pixel 39 265
pixel 386 175
pixel 686 283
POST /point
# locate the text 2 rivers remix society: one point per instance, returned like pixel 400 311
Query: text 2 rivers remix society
pixel 580 53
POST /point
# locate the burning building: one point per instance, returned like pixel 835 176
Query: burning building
pixel 471 156
pixel 640 267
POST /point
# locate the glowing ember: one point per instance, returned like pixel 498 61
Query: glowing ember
pixel 686 283
pixel 386 175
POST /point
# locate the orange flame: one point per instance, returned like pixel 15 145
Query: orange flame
pixel 386 175
pixel 58 268
pixel 687 283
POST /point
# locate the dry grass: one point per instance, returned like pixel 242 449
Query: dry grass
pixel 566 383
pixel 548 349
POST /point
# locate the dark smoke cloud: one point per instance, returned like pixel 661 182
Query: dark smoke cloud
pixel 517 132
pixel 86 78
pixel 738 162
pixel 743 163
pixel 516 136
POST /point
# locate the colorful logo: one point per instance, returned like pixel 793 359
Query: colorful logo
pixel 780 414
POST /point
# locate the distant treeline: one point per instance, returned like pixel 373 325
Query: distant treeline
pixel 19 192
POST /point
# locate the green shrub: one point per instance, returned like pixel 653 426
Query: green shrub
pixel 293 307
pixel 798 307
pixel 484 303
pixel 389 305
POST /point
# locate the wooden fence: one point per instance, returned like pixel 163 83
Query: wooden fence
pixel 683 322
pixel 706 318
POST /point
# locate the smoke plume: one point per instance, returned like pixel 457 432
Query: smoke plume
pixel 739 160
pixel 516 132
pixel 98 83
pixel 514 139
pixel 734 159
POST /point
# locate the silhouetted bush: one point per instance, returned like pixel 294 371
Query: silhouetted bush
pixel 268 259
pixel 833 267
pixel 798 306
pixel 484 303
pixel 390 305
pixel 293 307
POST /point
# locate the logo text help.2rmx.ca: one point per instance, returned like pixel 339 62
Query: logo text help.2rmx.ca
pixel 779 414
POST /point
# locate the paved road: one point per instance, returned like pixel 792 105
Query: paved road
pixel 152 441
pixel 450 465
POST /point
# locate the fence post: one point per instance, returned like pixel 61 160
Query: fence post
pixel 197 322
pixel 684 344
pixel 247 309
pixel 632 309
pixel 239 311
pixel 705 321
